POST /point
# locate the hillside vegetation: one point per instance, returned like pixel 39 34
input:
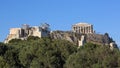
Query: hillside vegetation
pixel 54 53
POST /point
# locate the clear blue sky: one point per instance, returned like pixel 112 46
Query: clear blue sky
pixel 61 14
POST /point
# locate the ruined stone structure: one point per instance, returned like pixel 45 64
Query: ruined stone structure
pixel 83 28
pixel 26 31
pixel 113 45
pixel 82 41
pixel 81 33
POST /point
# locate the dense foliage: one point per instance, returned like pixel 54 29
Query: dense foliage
pixel 94 56
pixel 52 53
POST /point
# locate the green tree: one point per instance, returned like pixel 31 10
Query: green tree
pixel 54 53
pixel 3 63
pixel 94 56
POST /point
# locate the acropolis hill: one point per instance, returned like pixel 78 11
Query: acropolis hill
pixel 80 34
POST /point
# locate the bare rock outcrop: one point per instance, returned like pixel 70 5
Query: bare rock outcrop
pixel 100 39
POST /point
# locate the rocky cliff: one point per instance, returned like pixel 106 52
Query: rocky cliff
pixel 75 37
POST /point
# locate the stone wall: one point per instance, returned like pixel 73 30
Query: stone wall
pixel 24 32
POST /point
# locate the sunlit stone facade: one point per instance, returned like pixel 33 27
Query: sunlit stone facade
pixel 26 31
pixel 83 28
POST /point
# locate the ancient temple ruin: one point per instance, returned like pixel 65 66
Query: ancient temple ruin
pixel 83 28
pixel 26 31
pixel 81 33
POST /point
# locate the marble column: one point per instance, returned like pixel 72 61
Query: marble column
pixel 91 29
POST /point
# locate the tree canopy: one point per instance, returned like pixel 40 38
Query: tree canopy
pixel 54 53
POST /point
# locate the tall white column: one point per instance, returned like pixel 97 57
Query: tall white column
pixel 90 29
pixel 80 29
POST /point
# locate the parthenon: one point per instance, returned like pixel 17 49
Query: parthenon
pixel 83 28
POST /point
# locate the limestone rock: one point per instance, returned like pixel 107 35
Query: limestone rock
pixel 100 39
